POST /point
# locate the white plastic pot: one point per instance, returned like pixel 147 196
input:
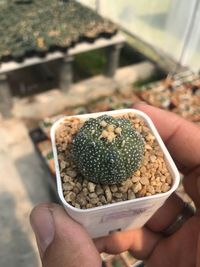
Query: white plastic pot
pixel 100 221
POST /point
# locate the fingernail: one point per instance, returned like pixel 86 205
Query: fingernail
pixel 43 226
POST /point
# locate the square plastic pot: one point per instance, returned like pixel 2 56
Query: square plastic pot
pixel 100 221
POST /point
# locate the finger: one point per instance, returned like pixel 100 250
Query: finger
pixel 140 242
pixel 181 137
pixel 61 240
pixel 166 215
pixel 191 184
pixel 179 249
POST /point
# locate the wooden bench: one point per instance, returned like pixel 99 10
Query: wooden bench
pixel 112 48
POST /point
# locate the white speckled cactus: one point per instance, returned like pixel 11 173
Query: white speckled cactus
pixel 107 150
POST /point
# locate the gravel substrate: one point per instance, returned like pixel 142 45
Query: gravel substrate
pixel 151 178
pixel 179 96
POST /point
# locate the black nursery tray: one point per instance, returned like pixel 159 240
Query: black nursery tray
pixel 34 27
pixel 44 149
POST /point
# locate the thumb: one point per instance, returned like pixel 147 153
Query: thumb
pixel 61 241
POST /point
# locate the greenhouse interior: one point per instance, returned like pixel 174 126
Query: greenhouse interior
pixel 99 114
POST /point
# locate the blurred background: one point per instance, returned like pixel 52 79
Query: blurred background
pixel 170 27
pixel 69 57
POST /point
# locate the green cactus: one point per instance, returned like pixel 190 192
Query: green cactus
pixel 107 150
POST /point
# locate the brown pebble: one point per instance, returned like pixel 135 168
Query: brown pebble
pixel 71 196
pixel 128 183
pixel 165 187
pixel 152 158
pixel 93 195
pixel 79 185
pixel 80 198
pixel 145 129
pixel 135 179
pixel 113 188
pixel 102 199
pixel 104 134
pixel 159 153
pixel 99 190
pixel 158 189
pixel 137 187
pixel 118 130
pixel 94 201
pixel 150 137
pixel 103 123
pixel 85 183
pixel 151 189
pixel 143 169
pixel 108 194
pixel 164 170
pixel 62 165
pixel 123 189
pixel 163 178
pixel 155 166
pixel 125 196
pixel 148 147
pixel 67 186
pixel 110 128
pixel 89 205
pixel 62 174
pixel 72 173
pixel 91 187
pixel 131 194
pixel 117 195
pixel 145 162
pixel 169 179
pixel 66 178
pixel 76 190
pixel 136 125
pixel 144 180
pixel 85 191
pixel 143 191
pixel 137 173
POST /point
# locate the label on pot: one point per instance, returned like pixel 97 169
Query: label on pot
pixel 126 213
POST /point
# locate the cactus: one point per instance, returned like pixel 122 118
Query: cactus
pixel 107 150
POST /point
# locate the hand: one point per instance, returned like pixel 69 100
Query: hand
pixel 181 249
pixel 63 242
